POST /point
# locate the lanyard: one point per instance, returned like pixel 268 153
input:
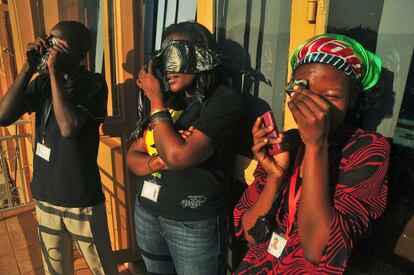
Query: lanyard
pixel 45 120
pixel 294 198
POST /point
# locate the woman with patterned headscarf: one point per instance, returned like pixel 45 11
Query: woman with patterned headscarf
pixel 309 205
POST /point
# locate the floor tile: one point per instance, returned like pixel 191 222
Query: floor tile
pixel 81 266
pixel 83 272
pixel 5 245
pixel 24 238
pixel 123 270
pixel 29 258
pixel 38 271
pixel 9 265
pixel 21 221
pixel 3 228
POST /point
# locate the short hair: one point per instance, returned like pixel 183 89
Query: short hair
pixel 76 33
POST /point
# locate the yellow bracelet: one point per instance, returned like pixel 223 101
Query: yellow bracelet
pixel 158 110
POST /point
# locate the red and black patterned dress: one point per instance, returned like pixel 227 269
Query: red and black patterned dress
pixel 358 165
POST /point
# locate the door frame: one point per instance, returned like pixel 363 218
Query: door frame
pixel 7 61
pixel 308 18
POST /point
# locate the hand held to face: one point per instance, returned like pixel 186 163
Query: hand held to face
pixel 312 115
pixel 274 165
pixel 35 51
pixel 58 56
pixel 151 85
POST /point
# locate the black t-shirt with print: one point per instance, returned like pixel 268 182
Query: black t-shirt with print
pixel 71 176
pixel 200 192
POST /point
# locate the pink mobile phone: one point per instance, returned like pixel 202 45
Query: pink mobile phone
pixel 267 120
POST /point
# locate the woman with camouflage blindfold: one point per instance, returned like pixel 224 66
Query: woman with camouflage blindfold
pixel 181 152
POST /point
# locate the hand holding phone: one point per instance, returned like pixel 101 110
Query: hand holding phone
pixel 269 120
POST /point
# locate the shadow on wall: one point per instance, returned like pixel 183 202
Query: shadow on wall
pixel 124 97
pixel 242 77
pixel 379 102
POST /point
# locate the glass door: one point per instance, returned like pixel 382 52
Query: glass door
pixel 385 27
pixel 255 36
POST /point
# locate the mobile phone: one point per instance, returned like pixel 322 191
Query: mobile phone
pixel 269 120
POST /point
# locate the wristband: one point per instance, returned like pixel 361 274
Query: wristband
pixel 153 124
pixel 158 110
pixel 160 116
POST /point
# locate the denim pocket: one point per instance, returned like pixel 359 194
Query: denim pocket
pixel 200 226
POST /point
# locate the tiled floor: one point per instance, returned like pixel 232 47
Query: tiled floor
pixel 19 245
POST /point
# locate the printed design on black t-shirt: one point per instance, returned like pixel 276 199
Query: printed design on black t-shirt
pixel 193 201
pixel 199 192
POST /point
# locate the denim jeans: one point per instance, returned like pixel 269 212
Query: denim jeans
pixel 176 247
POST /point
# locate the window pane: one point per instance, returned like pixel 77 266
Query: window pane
pixel 385 27
pixel 255 35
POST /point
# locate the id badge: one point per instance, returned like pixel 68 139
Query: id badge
pixel 277 244
pixel 43 151
pixel 150 190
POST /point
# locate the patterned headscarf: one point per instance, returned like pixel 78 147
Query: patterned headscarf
pixel 342 52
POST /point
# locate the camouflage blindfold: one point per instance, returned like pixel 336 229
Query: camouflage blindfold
pixel 181 56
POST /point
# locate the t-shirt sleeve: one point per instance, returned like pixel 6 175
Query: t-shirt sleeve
pixel 249 198
pixel 93 101
pixel 360 196
pixel 220 117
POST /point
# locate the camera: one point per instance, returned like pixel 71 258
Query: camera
pixel 42 59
